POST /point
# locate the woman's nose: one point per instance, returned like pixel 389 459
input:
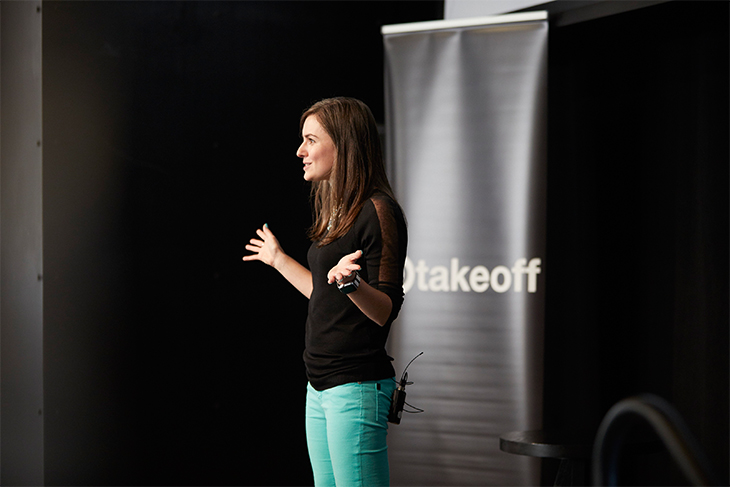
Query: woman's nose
pixel 300 151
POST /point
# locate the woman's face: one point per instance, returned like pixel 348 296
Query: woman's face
pixel 317 151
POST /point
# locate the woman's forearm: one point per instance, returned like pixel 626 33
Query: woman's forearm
pixel 375 304
pixel 298 276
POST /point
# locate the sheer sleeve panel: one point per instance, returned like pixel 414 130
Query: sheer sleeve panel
pixel 392 255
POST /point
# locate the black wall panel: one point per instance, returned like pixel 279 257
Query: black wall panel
pixel 637 266
pixel 171 135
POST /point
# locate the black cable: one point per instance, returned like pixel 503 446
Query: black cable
pixel 417 410
pixel 409 364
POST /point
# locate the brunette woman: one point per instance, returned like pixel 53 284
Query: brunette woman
pixel 355 288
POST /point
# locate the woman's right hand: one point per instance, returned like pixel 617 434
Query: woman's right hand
pixel 266 249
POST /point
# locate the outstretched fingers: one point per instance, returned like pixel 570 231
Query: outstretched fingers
pixel 266 248
pixel 256 246
pixel 345 267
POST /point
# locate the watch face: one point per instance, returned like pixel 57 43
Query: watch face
pixel 350 286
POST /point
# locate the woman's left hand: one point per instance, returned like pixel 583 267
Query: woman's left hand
pixel 345 267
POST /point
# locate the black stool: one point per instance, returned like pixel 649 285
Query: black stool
pixel 574 453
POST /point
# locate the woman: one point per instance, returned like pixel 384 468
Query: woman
pixel 355 288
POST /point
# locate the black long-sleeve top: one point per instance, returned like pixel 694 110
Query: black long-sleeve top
pixel 343 345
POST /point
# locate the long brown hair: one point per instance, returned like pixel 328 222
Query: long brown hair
pixel 358 171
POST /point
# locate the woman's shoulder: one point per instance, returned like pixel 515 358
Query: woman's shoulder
pixel 385 207
pixel 383 201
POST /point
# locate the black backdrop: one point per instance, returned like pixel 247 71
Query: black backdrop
pixel 170 130
pixel 637 266
pixel 170 135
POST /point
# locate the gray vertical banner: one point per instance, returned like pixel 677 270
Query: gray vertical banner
pixel 466 145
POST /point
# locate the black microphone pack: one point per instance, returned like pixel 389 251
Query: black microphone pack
pixel 399 397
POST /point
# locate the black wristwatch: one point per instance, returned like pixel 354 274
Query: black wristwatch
pixel 349 286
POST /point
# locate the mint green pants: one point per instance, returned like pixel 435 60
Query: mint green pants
pixel 346 430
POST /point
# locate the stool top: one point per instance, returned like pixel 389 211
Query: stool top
pixel 545 444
